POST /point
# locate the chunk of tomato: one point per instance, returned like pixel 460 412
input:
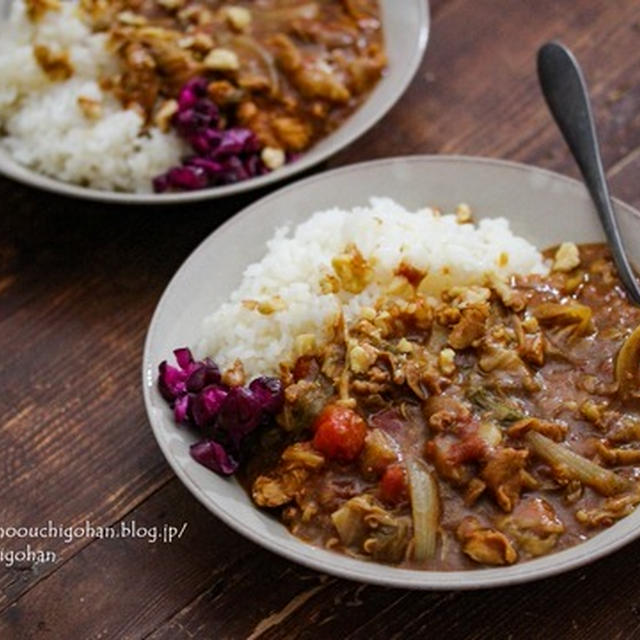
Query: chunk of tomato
pixel 393 485
pixel 339 433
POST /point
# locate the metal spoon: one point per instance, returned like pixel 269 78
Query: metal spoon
pixel 565 91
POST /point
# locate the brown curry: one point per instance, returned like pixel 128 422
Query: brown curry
pixel 496 425
pixel 289 70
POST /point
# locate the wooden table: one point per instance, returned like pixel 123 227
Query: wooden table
pixel 78 284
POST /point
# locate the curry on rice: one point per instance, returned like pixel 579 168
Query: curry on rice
pixel 469 401
pixel 497 425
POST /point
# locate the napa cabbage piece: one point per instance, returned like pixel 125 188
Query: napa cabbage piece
pixel 565 314
pixel 425 509
pixel 503 410
pixel 363 524
pixel 626 371
pixel 575 466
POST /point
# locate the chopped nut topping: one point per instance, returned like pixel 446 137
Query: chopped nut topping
pixel 567 257
pixel 165 113
pixel 90 108
pixel 234 376
pixel 361 357
pixel 447 361
pixel 202 42
pixel 186 42
pixel 463 213
pixel 352 269
pixel 37 8
pixel 401 287
pixel 368 313
pixel 273 158
pixel 132 19
pixel 171 5
pixel 266 307
pixel 304 343
pixel 292 132
pixel 463 297
pixel 222 60
pixel 57 66
pixel 239 17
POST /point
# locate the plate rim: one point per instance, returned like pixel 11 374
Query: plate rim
pixel 10 169
pixel 423 580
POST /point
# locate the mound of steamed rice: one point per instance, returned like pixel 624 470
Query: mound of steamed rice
pixel 43 125
pixel 386 234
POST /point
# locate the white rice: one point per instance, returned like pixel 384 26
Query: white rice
pixel 46 130
pixel 386 234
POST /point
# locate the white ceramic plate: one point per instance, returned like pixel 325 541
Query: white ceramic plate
pixel 406 31
pixel 544 207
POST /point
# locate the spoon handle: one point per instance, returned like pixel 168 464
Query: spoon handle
pixel 565 91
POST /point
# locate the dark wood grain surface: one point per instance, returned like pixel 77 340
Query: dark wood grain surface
pixel 78 284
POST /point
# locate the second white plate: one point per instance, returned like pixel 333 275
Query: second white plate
pixel 405 31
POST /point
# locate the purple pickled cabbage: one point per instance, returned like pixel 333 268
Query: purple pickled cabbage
pixel 172 382
pixel 183 357
pixel 205 406
pixel 211 167
pixel 222 156
pixel 191 92
pixel 181 409
pixel 202 374
pixel 187 178
pixel 235 141
pixel 160 183
pixel 199 399
pixel 239 415
pixel 233 170
pixel 269 393
pixel 213 455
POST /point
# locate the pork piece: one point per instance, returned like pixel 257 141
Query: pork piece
pixel 554 430
pixel 365 71
pixel 626 429
pixel 449 454
pixel 508 370
pixel 511 298
pixel 287 480
pixel 311 80
pixel 534 525
pixel 363 524
pixel 505 475
pixel 469 328
pixel 483 544
pixel 610 510
pixel 474 490
pixel 331 35
pixel 292 132
pixel 259 121
pixel 617 456
pixel 442 412
pixel 532 349
pixel 531 342
pixel 423 377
